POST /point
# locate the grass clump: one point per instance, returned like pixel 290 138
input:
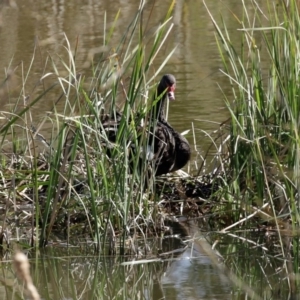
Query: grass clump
pixel 74 179
pixel 262 147
pixel 261 189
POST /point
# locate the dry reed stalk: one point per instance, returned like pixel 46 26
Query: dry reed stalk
pixel 22 268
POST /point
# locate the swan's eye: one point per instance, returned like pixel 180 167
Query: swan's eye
pixel 171 88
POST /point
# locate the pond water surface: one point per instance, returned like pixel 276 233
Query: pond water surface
pixel 28 25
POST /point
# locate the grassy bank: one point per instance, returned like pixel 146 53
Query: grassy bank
pixel 262 149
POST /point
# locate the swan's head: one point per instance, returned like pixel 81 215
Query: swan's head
pixel 168 85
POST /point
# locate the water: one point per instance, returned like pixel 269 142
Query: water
pixel 41 28
pixel 195 63
pixel 61 274
pixel 183 268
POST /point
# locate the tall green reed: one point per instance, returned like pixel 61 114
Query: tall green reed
pixel 264 111
pixel 75 173
pixel 263 148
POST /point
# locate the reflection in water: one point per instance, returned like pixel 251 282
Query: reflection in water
pixel 193 276
pixel 194 273
pixel 61 273
pixel 198 272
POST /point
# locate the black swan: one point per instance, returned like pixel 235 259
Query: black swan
pixel 167 149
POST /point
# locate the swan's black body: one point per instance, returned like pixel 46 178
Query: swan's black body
pixel 170 151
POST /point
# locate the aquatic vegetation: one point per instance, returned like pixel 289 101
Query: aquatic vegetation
pixel 66 181
pixel 262 149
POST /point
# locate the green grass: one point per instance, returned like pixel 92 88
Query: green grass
pixel 262 153
pixel 74 179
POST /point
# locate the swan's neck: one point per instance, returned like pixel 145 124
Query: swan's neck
pixel 158 111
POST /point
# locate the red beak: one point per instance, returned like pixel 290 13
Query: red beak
pixel 171 94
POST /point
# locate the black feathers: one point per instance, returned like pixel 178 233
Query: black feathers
pixel 167 150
